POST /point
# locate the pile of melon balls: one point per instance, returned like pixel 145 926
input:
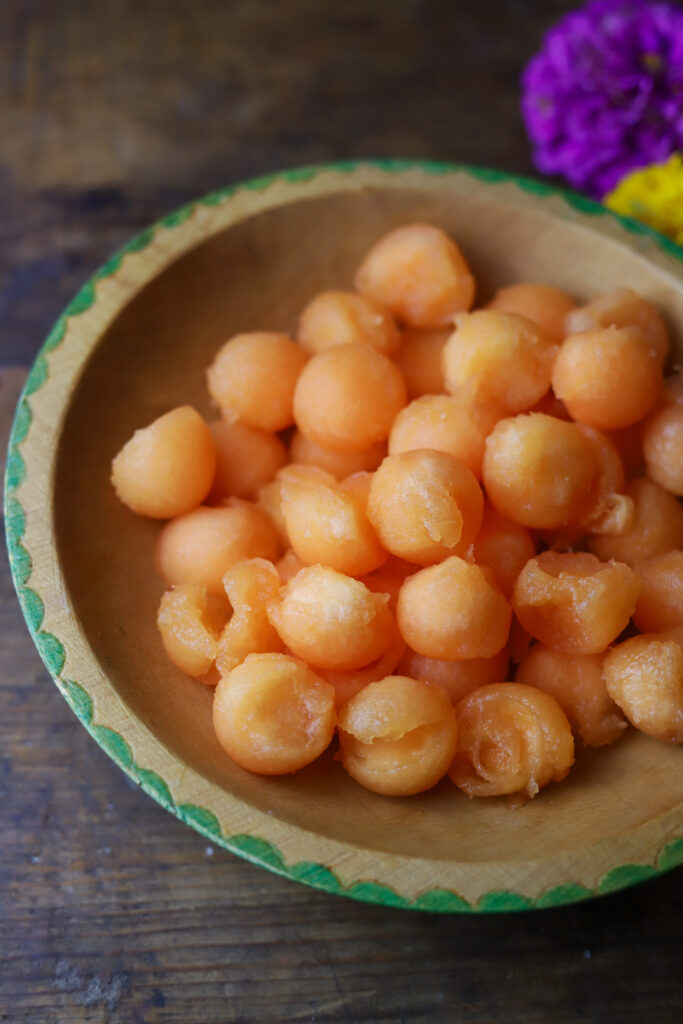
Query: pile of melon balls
pixel 452 538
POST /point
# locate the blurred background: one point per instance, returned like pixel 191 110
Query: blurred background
pixel 112 113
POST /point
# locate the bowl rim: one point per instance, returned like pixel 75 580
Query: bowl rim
pixel 252 847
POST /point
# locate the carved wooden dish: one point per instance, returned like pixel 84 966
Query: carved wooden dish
pixel 134 343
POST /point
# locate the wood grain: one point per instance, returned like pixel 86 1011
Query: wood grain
pixel 112 113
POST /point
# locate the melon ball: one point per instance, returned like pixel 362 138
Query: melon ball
pixel 512 738
pixel 453 610
pixel 457 678
pixel 273 715
pixel 190 621
pixel 505 547
pixel 344 318
pixel 660 601
pixel 397 736
pixel 656 527
pixel 420 274
pixel 541 303
pixel 250 586
pixel 167 468
pixel 613 512
pixel 247 459
pixel 574 602
pixel 253 377
pixel 289 565
pixel 202 545
pixel 644 676
pixel 500 360
pixel 348 397
pixel 350 682
pixel 425 506
pixel 441 423
pixel 621 308
pixel 663 447
pixel 331 621
pixel 608 378
pixel 339 464
pixel 388 579
pixel 419 358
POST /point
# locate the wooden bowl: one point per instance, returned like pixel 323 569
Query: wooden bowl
pixel 135 342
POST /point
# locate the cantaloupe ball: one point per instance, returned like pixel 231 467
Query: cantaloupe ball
pixel 347 684
pixel 190 621
pixel 453 610
pixel 270 496
pixel 660 602
pixel 167 468
pixel 574 602
pixel 457 678
pixel 289 565
pixel 544 305
pixel 441 423
pixel 273 715
pixel 250 586
pixel 253 378
pixel 344 318
pixel 504 546
pixel 348 397
pixel 644 676
pixel 629 443
pixel 657 526
pixel 397 736
pixel 247 459
pixel 388 579
pixel 202 545
pixel 327 525
pixel 420 274
pixel 621 308
pixel 330 620
pixel 519 643
pixel 512 738
pixel 419 358
pixel 358 486
pixel 425 506
pixel 551 406
pixel 672 392
pixel 540 471
pixel 608 378
pixel 613 512
pixel 576 683
pixel 500 360
pixel 340 464
pixel 663 447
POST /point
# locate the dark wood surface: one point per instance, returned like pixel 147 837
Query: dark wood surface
pixel 112 112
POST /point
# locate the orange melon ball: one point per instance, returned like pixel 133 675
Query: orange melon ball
pixel 441 423
pixel 190 621
pixel 425 506
pixel 339 464
pixel 330 620
pixel 540 471
pixel 613 512
pixel 656 528
pixel 167 468
pixel 419 358
pixel 519 642
pixel 327 525
pixel 358 486
pixel 347 398
pixel 621 308
pixel 397 736
pixel 576 683
pixel 541 303
pixel 289 565
pixel 644 676
pixel 498 359
pixel 457 678
pixel 551 406
pixel 202 545
pixel 663 447
pixel 673 389
pixel 629 443
pixel 253 377
pixel 272 715
pixel 420 274
pixel 608 378
pixel 573 601
pixel 348 684
pixel 250 585
pixel 512 738
pixel 388 579
pixel 504 546
pixel 270 501
pixel 247 459
pixel 660 602
pixel 453 611
pixel 344 318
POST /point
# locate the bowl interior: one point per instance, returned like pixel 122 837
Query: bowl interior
pixel 259 273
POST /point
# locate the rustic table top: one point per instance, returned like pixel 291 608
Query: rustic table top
pixel 111 114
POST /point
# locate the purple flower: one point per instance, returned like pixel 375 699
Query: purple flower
pixel 605 94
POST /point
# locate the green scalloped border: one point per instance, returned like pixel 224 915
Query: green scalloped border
pixel 253 848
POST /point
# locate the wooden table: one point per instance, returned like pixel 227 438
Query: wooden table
pixel 111 114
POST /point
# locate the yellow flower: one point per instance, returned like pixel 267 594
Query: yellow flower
pixel 653 195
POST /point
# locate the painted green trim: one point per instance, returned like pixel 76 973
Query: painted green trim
pixel 252 848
